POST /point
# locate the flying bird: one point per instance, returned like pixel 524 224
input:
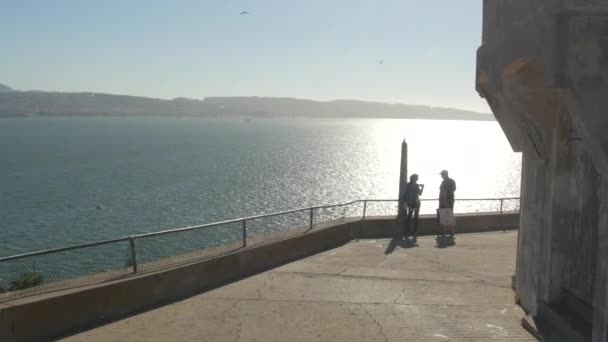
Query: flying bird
pixel 244 12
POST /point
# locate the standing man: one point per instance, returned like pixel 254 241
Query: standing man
pixel 413 190
pixel 446 200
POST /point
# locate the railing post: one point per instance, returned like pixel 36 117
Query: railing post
pixel 312 217
pixel 133 254
pixel 364 208
pixel 244 233
pixel 519 205
pixel 502 219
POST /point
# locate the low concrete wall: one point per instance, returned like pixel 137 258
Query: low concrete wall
pixel 384 227
pixel 63 312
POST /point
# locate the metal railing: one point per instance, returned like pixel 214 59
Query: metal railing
pixel 387 207
pixel 110 259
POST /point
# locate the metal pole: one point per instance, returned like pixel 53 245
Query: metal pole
pixel 364 209
pixel 502 221
pixel 133 254
pixel 244 233
pixel 402 178
pixel 312 217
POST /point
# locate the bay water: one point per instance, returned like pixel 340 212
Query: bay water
pixel 71 180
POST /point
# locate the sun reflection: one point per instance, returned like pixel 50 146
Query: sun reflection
pixel 476 154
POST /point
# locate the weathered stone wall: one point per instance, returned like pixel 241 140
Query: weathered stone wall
pixel 543 69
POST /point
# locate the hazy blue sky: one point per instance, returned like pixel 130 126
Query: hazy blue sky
pixel 319 49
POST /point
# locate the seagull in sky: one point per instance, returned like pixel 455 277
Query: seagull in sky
pixel 244 12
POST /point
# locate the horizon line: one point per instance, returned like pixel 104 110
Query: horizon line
pixel 238 96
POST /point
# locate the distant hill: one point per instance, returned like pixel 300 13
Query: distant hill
pixel 22 103
pixel 5 88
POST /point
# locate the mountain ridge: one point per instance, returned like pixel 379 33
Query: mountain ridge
pixel 5 89
pixel 26 103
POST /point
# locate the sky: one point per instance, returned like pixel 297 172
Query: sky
pixel 316 49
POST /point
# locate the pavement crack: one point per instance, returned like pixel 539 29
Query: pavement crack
pixel 369 277
pixel 383 264
pixel 238 330
pixel 478 278
pixel 266 283
pixel 346 270
pixel 239 327
pixel 380 327
pixel 401 295
pixel 442 305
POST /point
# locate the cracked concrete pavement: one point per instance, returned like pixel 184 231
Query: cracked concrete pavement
pixel 368 290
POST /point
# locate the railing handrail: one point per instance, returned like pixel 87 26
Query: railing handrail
pixel 63 249
pixel 238 220
pixel 457 199
pixel 215 224
pixel 477 199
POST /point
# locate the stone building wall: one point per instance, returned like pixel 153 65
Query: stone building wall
pixel 543 69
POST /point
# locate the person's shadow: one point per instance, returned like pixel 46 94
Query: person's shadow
pixel 445 241
pixel 400 242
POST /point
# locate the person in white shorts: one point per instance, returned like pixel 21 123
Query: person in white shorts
pixel 447 199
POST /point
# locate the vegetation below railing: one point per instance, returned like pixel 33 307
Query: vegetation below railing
pixel 24 281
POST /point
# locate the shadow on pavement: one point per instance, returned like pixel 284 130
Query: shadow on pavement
pixel 400 242
pixel 445 241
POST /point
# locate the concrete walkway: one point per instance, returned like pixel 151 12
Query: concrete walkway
pixel 369 290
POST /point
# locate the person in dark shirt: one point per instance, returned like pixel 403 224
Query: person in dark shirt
pixel 446 196
pixel 413 190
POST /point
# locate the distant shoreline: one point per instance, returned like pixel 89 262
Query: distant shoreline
pixel 64 116
pixel 33 103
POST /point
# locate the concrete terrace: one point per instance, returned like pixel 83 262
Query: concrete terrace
pixel 366 290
